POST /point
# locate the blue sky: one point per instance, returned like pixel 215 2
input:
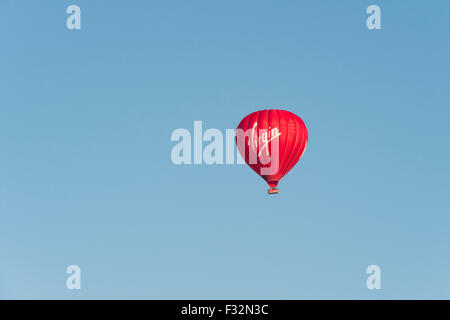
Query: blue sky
pixel 86 176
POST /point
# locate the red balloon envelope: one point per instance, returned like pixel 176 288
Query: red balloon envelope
pixel 271 142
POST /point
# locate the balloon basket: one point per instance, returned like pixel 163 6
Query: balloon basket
pixel 272 191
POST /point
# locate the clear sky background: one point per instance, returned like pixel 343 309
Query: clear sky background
pixel 86 176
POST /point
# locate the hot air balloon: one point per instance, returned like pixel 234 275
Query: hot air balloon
pixel 271 142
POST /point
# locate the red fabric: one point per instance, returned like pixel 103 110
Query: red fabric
pixel 258 135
